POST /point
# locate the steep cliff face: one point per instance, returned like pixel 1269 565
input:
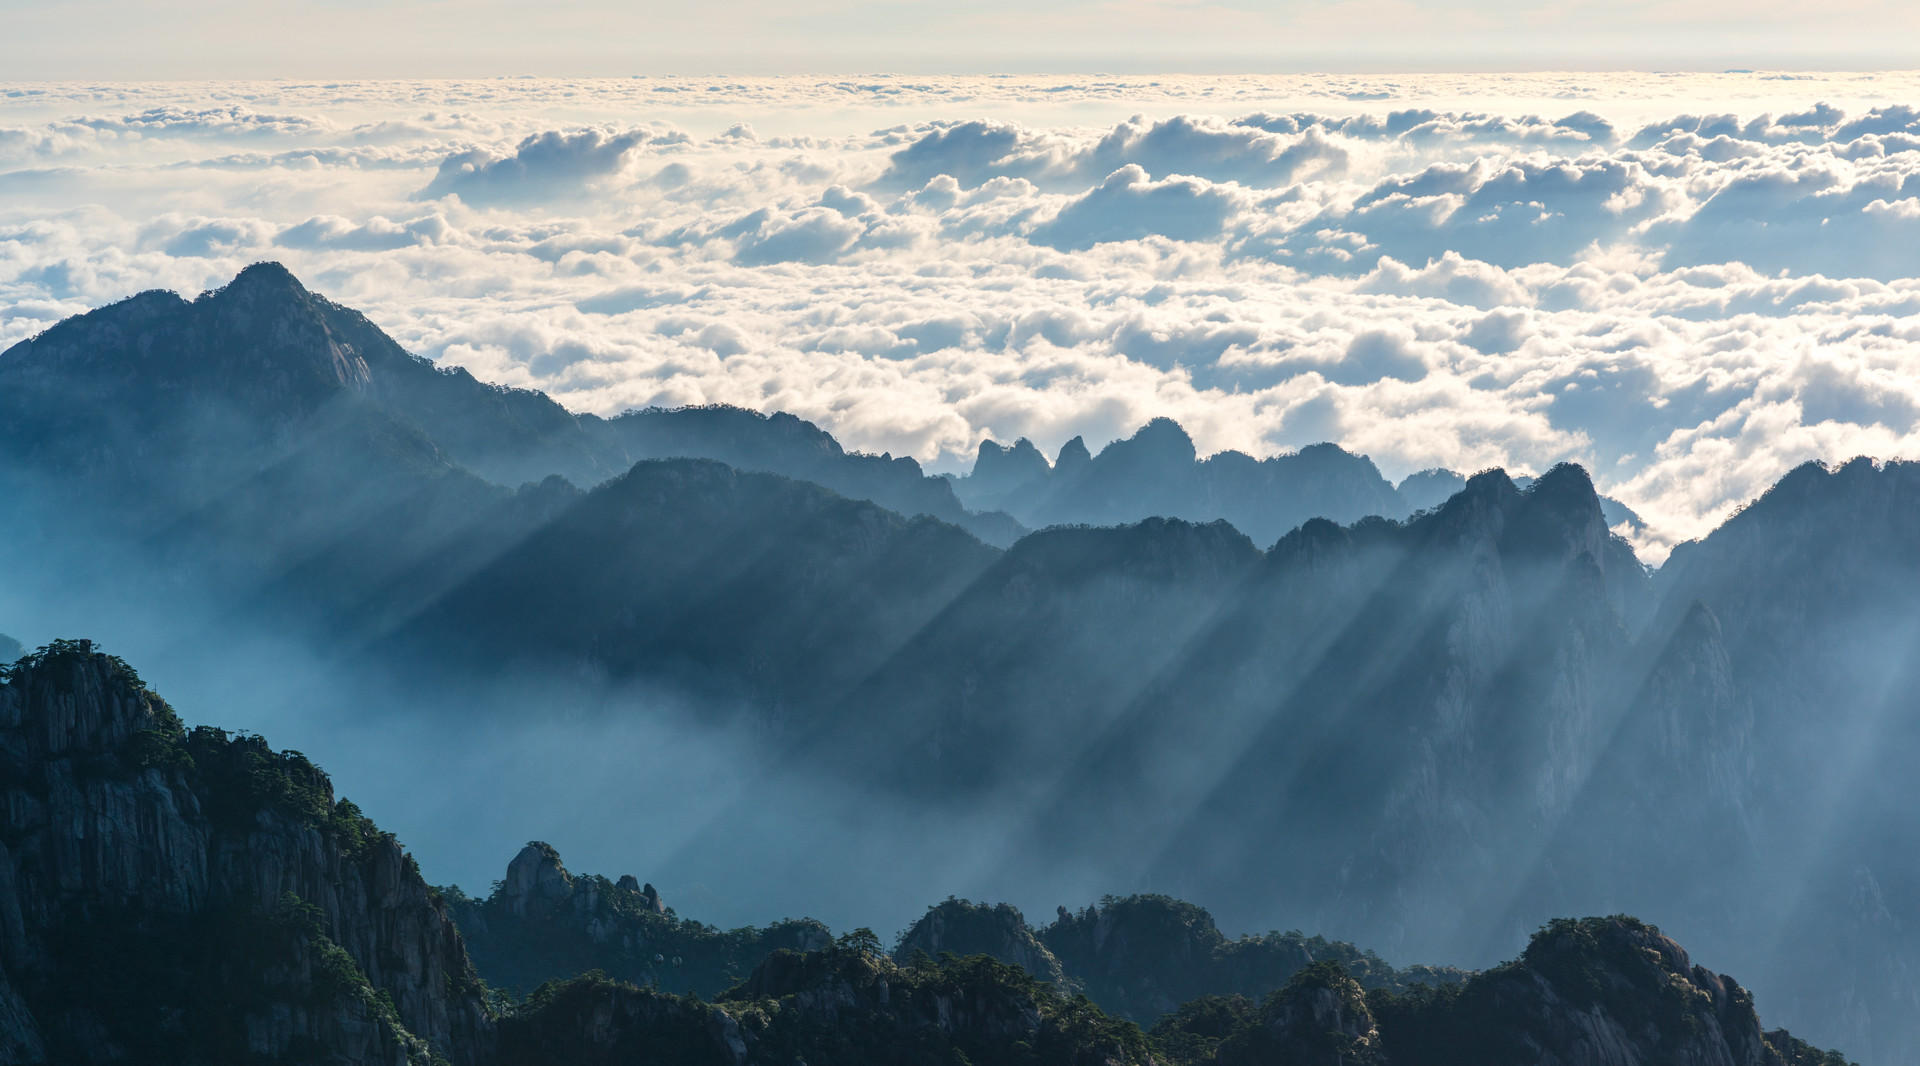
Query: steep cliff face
pixel 1815 588
pixel 198 897
pixel 545 923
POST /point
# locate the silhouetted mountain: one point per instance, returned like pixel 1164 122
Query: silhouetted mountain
pixel 785 445
pixel 1155 473
pixel 268 444
pixel 296 450
pixel 1380 712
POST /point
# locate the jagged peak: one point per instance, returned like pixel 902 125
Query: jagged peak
pixel 261 280
pixel 1073 455
pixel 536 875
pixel 1568 480
pixel 1491 480
pixel 1162 437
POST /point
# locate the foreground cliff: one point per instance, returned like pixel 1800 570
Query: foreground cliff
pixel 192 896
pixel 196 897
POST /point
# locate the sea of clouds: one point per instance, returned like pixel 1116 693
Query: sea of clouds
pixel 1689 283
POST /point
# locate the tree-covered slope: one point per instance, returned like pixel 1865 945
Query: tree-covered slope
pixel 193 896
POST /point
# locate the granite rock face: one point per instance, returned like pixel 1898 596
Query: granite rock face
pixel 197 896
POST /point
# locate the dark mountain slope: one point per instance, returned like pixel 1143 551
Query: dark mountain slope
pixel 236 442
pixel 1357 722
pixel 1040 651
pixel 785 445
pixel 1419 730
pixel 1815 593
pixel 775 591
pixel 196 897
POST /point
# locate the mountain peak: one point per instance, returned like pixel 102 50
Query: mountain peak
pixel 1073 456
pixel 265 280
pixel 1164 435
pixel 536 874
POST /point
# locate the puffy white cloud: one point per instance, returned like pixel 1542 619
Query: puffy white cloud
pixel 1689 300
pixel 1129 205
pixel 541 166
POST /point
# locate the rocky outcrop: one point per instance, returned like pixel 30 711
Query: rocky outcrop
pixel 1157 473
pixel 1144 956
pixel 1603 990
pixel 1319 1019
pixel 544 923
pixel 962 927
pixel 199 897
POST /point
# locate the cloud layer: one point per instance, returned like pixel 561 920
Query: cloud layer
pixel 1689 303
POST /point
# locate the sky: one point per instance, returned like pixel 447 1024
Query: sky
pixel 464 38
pixel 1689 283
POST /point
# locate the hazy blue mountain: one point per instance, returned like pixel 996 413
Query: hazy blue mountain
pixel 1156 473
pixel 1354 725
pixel 295 441
pixel 1039 653
pixel 752 587
pixel 785 445
pixel 1806 725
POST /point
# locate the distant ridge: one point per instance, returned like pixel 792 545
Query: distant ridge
pixel 1157 473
